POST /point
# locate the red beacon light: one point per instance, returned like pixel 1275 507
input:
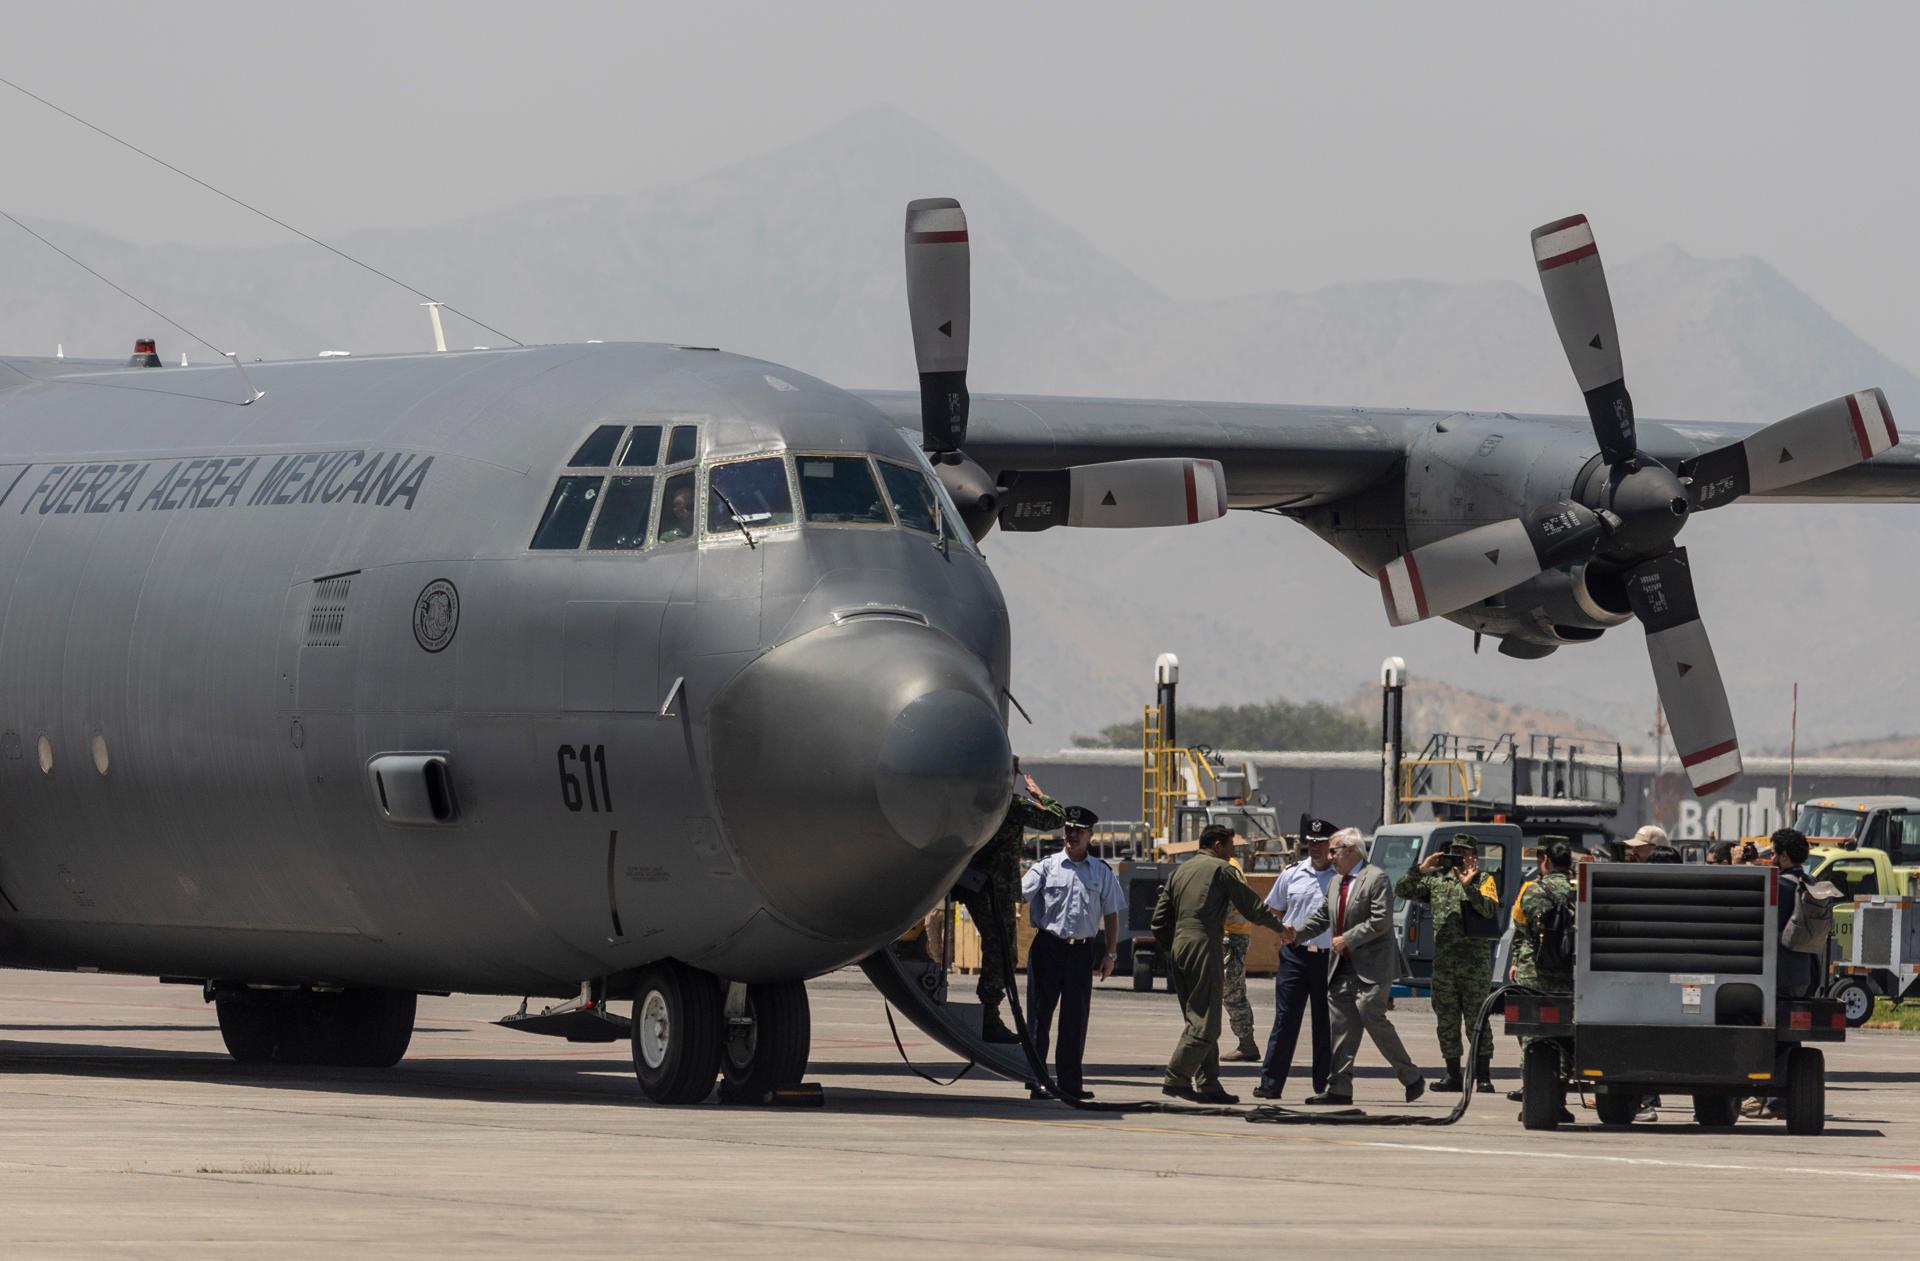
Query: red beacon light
pixel 145 354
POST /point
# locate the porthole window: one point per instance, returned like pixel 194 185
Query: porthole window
pixel 45 748
pixel 100 753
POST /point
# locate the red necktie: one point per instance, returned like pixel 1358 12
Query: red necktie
pixel 1340 916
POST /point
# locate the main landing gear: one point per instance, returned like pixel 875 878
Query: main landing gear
pixel 339 1028
pixel 690 1028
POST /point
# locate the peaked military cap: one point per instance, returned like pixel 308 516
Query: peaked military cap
pixel 1312 829
pixel 1081 817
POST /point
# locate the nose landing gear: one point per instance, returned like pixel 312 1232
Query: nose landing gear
pixel 689 1030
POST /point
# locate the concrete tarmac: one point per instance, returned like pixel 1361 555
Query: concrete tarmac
pixel 127 1132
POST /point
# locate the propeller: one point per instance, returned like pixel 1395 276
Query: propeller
pixel 1120 494
pixel 1576 287
pixel 940 304
pixel 1636 509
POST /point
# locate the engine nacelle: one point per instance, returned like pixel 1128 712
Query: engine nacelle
pixel 1570 605
pixel 1117 495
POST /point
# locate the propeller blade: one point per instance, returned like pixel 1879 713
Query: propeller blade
pixel 1818 441
pixel 1119 494
pixel 1661 593
pixel 1576 287
pixel 1466 568
pixel 940 303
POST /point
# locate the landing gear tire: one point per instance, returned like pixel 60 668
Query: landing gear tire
pixel 770 1049
pixel 1543 1095
pixel 368 1029
pixel 677 1024
pixel 1855 997
pixel 1616 1109
pixel 1142 970
pixel 1806 1090
pixel 251 1030
pixel 343 1029
pixel 1716 1112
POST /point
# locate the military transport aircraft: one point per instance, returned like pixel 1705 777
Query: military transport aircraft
pixel 600 672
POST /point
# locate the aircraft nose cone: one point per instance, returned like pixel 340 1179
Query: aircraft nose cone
pixel 856 769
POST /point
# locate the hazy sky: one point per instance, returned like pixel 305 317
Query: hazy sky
pixel 1213 149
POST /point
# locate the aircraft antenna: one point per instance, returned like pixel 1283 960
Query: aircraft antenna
pixel 306 236
pixel 252 394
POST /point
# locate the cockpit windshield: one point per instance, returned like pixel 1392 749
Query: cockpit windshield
pixel 626 488
pixel 757 491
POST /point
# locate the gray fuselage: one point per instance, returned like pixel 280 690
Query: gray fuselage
pixel 218 617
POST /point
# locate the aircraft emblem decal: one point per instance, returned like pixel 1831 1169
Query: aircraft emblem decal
pixel 436 615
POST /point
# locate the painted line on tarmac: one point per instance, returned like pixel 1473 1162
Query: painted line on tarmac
pixel 1872 1174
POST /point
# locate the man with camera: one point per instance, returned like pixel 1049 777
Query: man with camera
pixel 1460 900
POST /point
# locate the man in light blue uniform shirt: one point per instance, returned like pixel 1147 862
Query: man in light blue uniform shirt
pixel 1300 983
pixel 1074 902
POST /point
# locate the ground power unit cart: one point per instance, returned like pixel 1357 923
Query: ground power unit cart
pixel 1674 995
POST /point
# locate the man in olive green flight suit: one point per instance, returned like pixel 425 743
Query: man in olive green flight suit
pixel 1554 888
pixel 1450 883
pixel 999 858
pixel 1187 923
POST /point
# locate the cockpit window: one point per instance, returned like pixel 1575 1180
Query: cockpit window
pixel 840 489
pixel 684 445
pixel 910 495
pixel 676 509
pixel 643 447
pixel 757 491
pixel 597 450
pixel 622 523
pixel 565 519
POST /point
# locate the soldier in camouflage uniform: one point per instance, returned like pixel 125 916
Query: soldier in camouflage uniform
pixel 1000 860
pixel 1238 937
pixel 1449 882
pixel 1555 887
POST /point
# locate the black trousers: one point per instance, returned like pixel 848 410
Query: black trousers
pixel 1300 986
pixel 1060 974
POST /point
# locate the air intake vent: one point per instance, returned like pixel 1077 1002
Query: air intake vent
pixel 327 618
pixel 1671 918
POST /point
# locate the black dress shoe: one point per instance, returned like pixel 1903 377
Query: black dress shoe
pixel 1215 1095
pixel 1180 1092
pixel 1518 1096
pixel 1077 1096
pixel 1264 1091
pixel 1327 1097
pixel 1415 1089
pixel 1038 1092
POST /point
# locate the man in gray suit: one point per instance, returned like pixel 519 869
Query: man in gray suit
pixel 1360 968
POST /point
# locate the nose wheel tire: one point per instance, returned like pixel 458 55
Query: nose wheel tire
pixel 677 1024
pixel 768 1047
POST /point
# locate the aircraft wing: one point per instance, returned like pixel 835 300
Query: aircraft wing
pixel 1273 456
pixel 1298 456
